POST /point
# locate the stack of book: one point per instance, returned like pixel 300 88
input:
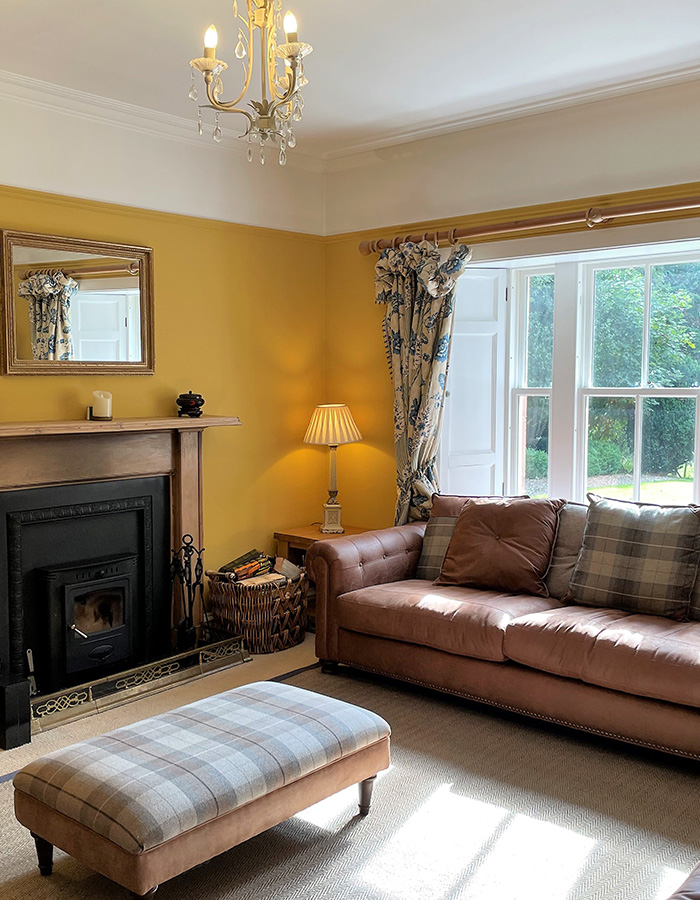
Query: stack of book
pixel 249 565
pixel 255 567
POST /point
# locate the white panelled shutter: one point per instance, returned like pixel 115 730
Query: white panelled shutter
pixel 100 326
pixel 472 444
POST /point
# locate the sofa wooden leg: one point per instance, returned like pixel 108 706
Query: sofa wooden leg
pixel 44 852
pixel 366 794
pixel 329 667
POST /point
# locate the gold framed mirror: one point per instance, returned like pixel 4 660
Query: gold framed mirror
pixel 75 307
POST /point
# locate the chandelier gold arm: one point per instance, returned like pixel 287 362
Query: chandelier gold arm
pixel 284 98
pixel 230 105
pixel 230 109
pixel 220 106
pixel 272 58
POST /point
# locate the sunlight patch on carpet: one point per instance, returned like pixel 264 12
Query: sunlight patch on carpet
pixel 669 881
pixel 532 860
pixel 434 846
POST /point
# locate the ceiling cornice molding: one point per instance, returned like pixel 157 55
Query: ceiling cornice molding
pixel 505 112
pixel 103 110
pixel 45 95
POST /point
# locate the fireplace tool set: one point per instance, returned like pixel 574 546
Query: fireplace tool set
pixel 190 578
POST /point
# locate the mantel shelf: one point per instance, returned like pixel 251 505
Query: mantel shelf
pixel 86 426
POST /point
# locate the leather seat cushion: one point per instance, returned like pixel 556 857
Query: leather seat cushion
pixel 649 656
pixel 463 621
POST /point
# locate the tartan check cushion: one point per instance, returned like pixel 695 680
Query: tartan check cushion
pixel 146 783
pixel 637 557
pixel 694 611
pixel 436 540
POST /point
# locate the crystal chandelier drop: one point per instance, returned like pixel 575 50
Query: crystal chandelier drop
pixel 281 74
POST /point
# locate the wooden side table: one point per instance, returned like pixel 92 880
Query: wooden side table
pixel 293 543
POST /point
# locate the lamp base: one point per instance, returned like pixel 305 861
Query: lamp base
pixel 331 519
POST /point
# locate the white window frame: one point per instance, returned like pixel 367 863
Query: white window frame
pixel 517 369
pixel 572 361
pixel 638 394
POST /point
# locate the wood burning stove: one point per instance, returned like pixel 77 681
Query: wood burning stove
pixel 90 613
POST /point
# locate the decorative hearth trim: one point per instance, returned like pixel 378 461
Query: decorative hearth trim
pixel 16 520
pixel 84 699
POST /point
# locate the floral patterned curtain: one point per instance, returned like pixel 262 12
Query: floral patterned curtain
pixel 418 291
pixel 49 295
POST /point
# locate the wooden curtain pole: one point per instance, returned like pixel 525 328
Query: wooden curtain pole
pixel 591 217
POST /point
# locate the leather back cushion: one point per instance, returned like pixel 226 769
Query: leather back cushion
pixel 438 534
pixel 451 504
pixel 503 544
pixel 567 546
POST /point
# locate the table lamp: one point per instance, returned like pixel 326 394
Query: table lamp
pixel 332 424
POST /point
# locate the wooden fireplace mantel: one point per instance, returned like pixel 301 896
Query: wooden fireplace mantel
pixel 44 454
pixel 87 426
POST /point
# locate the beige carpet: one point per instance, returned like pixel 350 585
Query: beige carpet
pixel 477 806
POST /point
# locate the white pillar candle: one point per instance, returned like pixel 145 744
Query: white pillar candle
pixel 101 405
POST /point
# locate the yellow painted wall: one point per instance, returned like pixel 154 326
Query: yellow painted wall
pixel 240 319
pixel 358 375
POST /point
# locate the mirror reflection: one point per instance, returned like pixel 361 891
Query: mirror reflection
pixel 76 307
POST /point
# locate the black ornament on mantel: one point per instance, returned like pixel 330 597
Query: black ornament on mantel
pixel 191 586
pixel 190 405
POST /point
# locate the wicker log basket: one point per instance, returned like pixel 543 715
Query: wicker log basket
pixel 270 617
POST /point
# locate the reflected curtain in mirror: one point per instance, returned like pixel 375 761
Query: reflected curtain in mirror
pixel 48 296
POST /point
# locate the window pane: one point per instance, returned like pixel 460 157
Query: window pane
pixel 674 342
pixel 534 446
pixel 618 327
pixel 611 446
pixel 540 330
pixel 668 440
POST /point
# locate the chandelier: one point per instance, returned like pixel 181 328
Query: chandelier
pixel 281 74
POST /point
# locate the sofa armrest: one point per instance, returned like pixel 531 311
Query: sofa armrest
pixel 355 561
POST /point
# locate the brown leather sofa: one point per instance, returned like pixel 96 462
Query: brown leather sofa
pixel 622 675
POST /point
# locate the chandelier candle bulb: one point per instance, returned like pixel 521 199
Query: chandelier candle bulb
pixel 290 28
pixel 211 39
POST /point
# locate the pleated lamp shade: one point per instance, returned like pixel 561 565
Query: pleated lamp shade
pixel 332 424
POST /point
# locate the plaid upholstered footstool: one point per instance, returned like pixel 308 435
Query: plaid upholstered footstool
pixel 149 801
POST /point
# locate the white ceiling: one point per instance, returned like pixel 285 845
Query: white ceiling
pixel 381 71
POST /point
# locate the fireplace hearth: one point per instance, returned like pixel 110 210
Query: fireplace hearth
pixel 83 491
pixel 91 615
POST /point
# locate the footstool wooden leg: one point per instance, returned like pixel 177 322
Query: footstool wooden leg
pixel 366 794
pixel 147 894
pixel 44 852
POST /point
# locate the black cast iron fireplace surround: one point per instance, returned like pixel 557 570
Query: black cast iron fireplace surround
pixel 59 527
